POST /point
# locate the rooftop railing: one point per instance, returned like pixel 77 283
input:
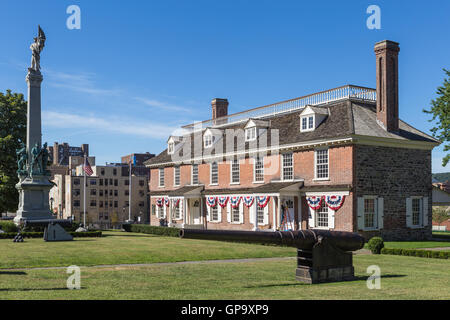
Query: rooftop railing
pixel 315 99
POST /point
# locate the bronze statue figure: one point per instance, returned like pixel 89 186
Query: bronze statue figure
pixel 36 49
pixel 22 157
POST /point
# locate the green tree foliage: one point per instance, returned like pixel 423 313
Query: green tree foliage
pixel 440 215
pixel 13 130
pixel 440 109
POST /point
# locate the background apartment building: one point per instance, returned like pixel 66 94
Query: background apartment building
pixel 108 197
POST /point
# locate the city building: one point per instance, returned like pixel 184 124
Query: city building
pixel 60 156
pixel 137 159
pixel 107 195
pixel 340 159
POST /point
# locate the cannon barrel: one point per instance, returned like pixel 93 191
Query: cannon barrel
pixel 301 239
pixel 46 222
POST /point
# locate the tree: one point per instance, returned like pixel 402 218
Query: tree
pixel 439 215
pixel 13 130
pixel 440 109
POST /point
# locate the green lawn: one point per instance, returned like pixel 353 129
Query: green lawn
pixel 402 278
pixel 416 244
pixel 121 247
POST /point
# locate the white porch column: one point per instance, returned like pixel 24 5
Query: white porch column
pixel 279 212
pixel 274 212
pixel 184 212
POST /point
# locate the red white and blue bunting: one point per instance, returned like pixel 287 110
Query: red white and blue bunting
pixel 262 201
pixel 334 202
pixel 176 202
pixel 211 201
pixel 167 202
pixel 159 202
pixel 223 200
pixel 314 202
pixel 248 201
pixel 235 201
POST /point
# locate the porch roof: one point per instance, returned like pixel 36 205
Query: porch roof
pixel 327 188
pixel 271 187
pixel 180 191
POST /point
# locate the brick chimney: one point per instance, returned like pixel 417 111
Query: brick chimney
pixel 219 108
pixel 386 53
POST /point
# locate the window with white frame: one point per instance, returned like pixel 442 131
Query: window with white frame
pixel 235 214
pixel 322 164
pixel 288 168
pixel 208 140
pixel 176 176
pixel 177 211
pixel 307 123
pixel 250 134
pixel 370 214
pixel 259 169
pixel 214 213
pixel 170 147
pixel 194 173
pixel 322 216
pixel 260 214
pixel 235 172
pixel 214 173
pixel 161 177
pixel 416 211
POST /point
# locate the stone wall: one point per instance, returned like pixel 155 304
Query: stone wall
pixel 394 174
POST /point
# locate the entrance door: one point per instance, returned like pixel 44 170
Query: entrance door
pixel 195 211
pixel 288 214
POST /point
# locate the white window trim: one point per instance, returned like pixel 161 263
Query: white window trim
pixel 307 122
pixel 173 147
pixel 421 213
pixel 375 212
pixel 210 136
pixel 192 175
pixel 231 172
pixel 174 175
pixel 210 174
pixel 254 170
pixel 255 130
pixel 159 178
pixel 315 164
pixel 282 166
pixel 241 213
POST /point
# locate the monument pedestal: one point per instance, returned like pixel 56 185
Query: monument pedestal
pixel 33 199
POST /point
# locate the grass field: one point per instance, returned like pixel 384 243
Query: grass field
pixel 121 247
pixel 402 277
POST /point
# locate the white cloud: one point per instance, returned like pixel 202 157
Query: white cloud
pixel 80 82
pixel 161 105
pixel 100 123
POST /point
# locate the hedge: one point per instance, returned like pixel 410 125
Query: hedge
pixel 11 235
pixel 441 236
pixel 143 228
pixel 417 253
pixel 8 226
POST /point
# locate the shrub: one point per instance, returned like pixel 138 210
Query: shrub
pixel 143 228
pixel 8 226
pixel 11 235
pixel 375 245
pixel 417 253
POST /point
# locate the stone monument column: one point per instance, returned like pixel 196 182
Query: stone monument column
pixel 34 134
pixel 34 184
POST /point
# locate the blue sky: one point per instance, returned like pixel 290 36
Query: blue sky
pixel 138 69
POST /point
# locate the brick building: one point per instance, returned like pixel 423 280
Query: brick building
pixel 340 159
pixel 60 155
pixel 108 195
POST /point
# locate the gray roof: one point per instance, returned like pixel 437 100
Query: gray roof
pixel 346 118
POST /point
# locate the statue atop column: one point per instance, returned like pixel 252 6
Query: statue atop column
pixel 36 49
pixel 32 158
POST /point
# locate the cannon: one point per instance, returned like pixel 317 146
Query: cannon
pixel 54 230
pixel 322 255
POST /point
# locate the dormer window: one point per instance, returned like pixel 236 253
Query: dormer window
pixel 307 123
pixel 208 140
pixel 170 147
pixel 311 117
pixel 250 134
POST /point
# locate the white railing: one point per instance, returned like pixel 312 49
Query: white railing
pixel 320 98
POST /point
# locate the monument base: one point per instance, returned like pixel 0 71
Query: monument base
pixel 33 199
